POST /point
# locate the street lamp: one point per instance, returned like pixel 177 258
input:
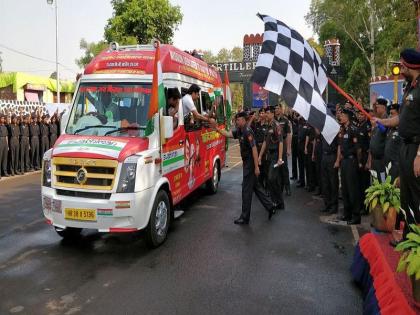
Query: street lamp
pixel 51 2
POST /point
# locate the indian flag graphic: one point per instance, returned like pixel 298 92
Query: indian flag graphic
pixel 109 148
pixel 211 94
pixel 228 99
pixel 157 100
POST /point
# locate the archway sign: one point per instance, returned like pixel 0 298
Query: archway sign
pixel 240 72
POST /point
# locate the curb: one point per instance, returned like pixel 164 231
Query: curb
pixel 5 179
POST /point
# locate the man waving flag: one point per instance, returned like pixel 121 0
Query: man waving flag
pixel 157 99
pixel 290 67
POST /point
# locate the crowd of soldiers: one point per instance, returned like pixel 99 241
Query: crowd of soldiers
pixel 320 167
pixel 23 141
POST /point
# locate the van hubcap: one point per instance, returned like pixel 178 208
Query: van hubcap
pixel 161 218
pixel 215 177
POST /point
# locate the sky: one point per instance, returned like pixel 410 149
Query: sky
pixel 28 26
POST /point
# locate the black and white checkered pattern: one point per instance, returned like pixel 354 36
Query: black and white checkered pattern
pixel 290 67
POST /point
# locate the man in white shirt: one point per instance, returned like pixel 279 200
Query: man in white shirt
pixel 188 105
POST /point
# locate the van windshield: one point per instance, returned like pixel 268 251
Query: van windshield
pixel 115 109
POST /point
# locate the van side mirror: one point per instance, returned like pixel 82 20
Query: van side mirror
pixel 63 122
pixel 167 126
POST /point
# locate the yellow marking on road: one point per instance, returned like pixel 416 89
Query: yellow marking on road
pixel 355 233
pixel 232 167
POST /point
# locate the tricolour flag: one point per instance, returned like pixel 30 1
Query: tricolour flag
pixel 157 100
pixel 228 99
pixel 212 95
pixel 288 66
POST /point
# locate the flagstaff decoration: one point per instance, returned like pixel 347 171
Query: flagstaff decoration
pixel 157 99
pixel 290 67
pixel 228 99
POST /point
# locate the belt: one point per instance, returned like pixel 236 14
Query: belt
pixel 349 157
pixel 377 157
pixel 329 153
pixel 412 140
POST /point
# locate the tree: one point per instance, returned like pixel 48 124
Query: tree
pixel 237 54
pixel 53 75
pixel 224 55
pixel 370 25
pixel 140 21
pixel 90 51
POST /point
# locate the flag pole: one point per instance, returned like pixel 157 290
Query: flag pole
pixel 156 44
pixel 354 103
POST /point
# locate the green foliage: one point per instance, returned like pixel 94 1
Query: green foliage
pixel 140 21
pixel 90 51
pixel 224 55
pixel 385 194
pixel 371 32
pixel 410 258
pixel 358 80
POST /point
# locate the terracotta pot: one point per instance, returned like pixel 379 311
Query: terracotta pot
pixel 384 222
pixel 415 286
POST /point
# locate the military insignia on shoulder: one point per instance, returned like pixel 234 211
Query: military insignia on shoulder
pixel 409 97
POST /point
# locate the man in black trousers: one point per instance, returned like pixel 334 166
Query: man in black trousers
pixel 25 164
pixel 14 134
pixel 350 157
pixel 251 170
pixel 34 142
pixel 4 146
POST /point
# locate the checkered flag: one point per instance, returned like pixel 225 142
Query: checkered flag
pixel 290 67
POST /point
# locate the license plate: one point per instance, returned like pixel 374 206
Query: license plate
pixel 80 214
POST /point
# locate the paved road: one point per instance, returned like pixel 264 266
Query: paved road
pixel 293 264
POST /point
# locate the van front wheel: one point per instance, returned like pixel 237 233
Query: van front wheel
pixel 212 184
pixel 159 221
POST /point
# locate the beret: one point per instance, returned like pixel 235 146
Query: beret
pixel 348 112
pixel 242 114
pixel 270 109
pixel 382 101
pixel 410 58
pixel 395 106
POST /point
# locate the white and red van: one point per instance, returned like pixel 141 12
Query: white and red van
pixel 105 172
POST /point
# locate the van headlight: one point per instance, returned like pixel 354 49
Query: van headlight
pixel 46 173
pixel 127 178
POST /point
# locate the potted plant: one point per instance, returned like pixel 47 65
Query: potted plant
pixel 383 200
pixel 410 258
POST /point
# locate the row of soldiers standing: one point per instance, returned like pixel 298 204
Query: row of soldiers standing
pixel 23 141
pixel 358 148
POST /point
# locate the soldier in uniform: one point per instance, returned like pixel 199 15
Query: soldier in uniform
pixel 53 130
pixel 294 121
pixel 44 135
pixel 260 130
pixel 350 155
pixel 273 146
pixel 317 160
pixel 363 134
pixel 251 169
pixel 34 133
pixel 309 164
pixel 14 134
pixel 330 163
pixel 393 146
pixel 408 122
pixel 302 128
pixel 4 146
pixel 24 145
pixel 377 142
pixel 287 147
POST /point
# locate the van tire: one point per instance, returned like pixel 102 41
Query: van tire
pixel 159 221
pixel 212 184
pixel 68 232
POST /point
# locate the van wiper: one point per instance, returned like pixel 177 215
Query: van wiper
pixel 90 127
pixel 123 129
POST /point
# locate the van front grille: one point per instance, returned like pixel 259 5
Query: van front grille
pixel 94 174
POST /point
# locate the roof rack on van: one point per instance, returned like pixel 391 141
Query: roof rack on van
pixel 115 47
